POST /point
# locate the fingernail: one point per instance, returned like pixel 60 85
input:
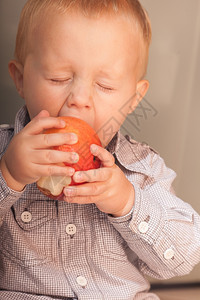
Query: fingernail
pixel 93 148
pixel 78 176
pixel 75 157
pixel 69 192
pixel 71 171
pixel 74 137
pixel 62 123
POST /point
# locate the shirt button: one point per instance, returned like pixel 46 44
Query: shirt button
pixel 71 229
pixel 169 254
pixel 26 217
pixel 143 227
pixel 81 280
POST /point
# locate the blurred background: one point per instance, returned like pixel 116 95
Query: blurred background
pixel 168 118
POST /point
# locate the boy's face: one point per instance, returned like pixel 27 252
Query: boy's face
pixel 84 67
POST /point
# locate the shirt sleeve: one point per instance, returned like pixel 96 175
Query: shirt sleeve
pixel 163 231
pixel 7 196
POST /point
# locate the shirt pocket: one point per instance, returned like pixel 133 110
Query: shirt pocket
pixel 28 233
pixel 109 241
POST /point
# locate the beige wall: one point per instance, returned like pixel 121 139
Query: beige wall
pixel 9 100
pixel 171 120
pixel 174 75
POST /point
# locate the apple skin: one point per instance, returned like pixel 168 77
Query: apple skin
pixel 53 186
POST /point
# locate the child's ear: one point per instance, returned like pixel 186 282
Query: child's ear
pixel 16 71
pixel 141 90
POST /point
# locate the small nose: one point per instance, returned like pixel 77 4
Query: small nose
pixel 80 96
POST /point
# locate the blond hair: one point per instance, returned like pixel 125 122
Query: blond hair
pixel 39 8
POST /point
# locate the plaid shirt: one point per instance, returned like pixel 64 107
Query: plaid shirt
pixel 53 250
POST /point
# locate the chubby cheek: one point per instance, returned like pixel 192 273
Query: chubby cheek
pixel 108 125
pixel 41 96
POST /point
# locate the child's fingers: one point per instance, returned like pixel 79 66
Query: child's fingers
pixel 42 114
pixel 49 170
pixel 42 141
pixel 97 175
pixel 40 123
pixel 94 175
pixel 87 189
pixel 53 157
pixel 106 157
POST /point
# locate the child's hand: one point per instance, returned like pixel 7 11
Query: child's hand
pixel 29 155
pixel 107 187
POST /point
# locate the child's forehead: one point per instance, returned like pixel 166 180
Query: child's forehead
pixel 112 45
pixel 103 24
pixel 71 24
pixel 49 21
pixel 127 21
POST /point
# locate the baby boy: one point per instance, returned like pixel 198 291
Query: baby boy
pixel 86 59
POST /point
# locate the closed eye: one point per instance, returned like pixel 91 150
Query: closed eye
pixel 106 89
pixel 60 81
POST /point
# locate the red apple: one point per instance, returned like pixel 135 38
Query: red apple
pixel 53 186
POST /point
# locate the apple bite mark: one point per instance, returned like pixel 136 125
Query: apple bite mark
pixel 53 186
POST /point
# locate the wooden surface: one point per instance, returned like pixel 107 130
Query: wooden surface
pixel 178 294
